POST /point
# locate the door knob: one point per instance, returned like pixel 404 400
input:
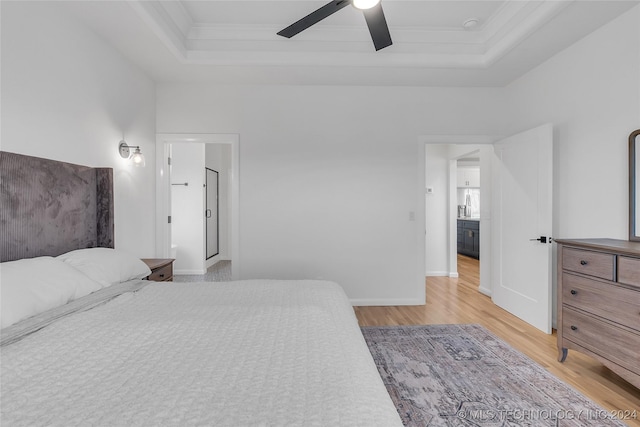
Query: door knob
pixel 541 239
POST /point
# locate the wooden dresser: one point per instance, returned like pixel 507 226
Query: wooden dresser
pixel 161 269
pixel 599 302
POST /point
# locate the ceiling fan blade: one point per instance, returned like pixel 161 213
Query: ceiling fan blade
pixel 313 18
pixel 378 26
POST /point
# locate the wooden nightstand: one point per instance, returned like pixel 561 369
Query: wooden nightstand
pixel 161 269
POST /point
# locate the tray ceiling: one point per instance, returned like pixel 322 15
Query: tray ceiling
pixel 236 42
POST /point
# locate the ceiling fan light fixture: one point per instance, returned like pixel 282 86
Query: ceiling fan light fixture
pixel 371 9
pixel 365 4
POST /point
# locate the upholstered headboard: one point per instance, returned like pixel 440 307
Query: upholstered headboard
pixel 49 207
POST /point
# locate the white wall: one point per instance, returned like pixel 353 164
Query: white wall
pixel 68 96
pixel 329 175
pixel 187 207
pixel 591 94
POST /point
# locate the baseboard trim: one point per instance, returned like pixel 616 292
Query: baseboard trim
pixel 437 274
pixel 484 291
pixel 386 302
pixel 190 272
pixel 454 275
pixel 216 259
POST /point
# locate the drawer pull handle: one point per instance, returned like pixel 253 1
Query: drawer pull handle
pixel 574 292
pixel 161 275
pixel 574 328
pixel 583 262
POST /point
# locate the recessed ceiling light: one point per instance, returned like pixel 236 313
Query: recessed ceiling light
pixel 470 23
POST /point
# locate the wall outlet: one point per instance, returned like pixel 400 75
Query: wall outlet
pixel 429 190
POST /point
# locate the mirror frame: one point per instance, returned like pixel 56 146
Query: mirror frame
pixel 633 178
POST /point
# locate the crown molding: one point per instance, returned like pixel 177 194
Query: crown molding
pixel 160 21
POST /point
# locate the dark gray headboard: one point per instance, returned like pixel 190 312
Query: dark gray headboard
pixel 49 207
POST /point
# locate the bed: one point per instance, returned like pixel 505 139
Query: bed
pixel 124 351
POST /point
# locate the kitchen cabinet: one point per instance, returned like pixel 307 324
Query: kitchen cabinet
pixel 469 238
pixel 468 177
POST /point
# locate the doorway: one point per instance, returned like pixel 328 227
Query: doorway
pixel 226 237
pixel 442 198
pixel 468 202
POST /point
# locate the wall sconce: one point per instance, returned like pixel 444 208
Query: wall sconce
pixel 125 152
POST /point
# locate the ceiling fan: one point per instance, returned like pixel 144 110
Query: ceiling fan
pixel 373 14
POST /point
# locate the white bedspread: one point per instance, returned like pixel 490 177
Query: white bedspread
pixel 250 353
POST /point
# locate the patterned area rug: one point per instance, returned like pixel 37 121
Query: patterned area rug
pixel 462 375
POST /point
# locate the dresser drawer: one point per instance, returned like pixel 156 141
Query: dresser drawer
pixel 629 271
pixel 610 342
pixel 595 264
pixel 618 304
pixel 162 274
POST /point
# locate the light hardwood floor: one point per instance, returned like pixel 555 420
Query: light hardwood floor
pixel 458 301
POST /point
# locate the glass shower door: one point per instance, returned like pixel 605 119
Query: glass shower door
pixel 211 213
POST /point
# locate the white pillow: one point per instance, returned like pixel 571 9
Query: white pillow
pixel 106 266
pixel 34 285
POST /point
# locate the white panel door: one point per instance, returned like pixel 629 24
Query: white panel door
pixel 523 194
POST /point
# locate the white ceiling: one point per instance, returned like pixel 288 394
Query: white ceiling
pixel 236 42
